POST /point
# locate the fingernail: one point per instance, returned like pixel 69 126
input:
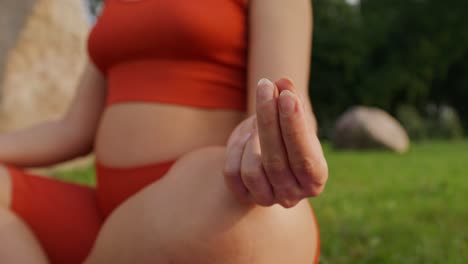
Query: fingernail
pixel 287 102
pixel 265 90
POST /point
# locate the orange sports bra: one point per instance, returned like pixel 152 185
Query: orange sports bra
pixel 182 52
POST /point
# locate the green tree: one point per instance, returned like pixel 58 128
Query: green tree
pixel 387 53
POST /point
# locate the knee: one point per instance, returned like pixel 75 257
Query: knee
pixel 256 235
pixel 216 227
pixel 5 187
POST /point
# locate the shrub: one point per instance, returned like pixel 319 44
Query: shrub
pixel 444 122
pixel 412 121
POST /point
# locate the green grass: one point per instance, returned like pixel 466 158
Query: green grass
pixel 82 176
pixel 385 208
pixel 380 207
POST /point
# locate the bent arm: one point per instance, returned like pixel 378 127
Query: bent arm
pixel 64 139
pixel 280 46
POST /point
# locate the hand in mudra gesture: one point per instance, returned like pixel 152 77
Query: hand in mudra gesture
pixel 274 156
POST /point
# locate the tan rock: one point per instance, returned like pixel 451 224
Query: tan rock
pixel 10 26
pixel 369 128
pixel 43 65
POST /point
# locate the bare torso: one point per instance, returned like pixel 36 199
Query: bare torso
pixel 134 134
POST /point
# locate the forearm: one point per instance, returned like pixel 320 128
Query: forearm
pixel 280 46
pixel 41 145
pixel 56 141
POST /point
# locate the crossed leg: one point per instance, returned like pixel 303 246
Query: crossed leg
pixel 43 220
pixel 190 216
pixel 17 243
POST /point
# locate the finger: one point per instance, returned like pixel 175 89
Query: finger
pixel 241 131
pixel 274 156
pixel 303 147
pixel 288 197
pixel 253 174
pixel 286 84
pixel 234 152
pixel 289 203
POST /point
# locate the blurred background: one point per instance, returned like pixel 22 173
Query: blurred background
pixel 409 57
pixel 389 85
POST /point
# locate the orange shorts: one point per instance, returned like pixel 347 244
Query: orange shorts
pixel 66 217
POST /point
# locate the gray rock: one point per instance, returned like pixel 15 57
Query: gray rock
pixel 369 128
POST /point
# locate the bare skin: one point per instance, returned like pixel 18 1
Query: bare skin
pixel 194 214
pixel 191 217
pixel 21 246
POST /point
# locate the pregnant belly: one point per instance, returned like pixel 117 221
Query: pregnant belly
pixel 135 134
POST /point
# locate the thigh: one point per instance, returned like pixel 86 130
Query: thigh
pixel 5 187
pixel 62 216
pixel 189 216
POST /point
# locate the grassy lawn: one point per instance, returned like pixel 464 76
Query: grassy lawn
pixel 386 208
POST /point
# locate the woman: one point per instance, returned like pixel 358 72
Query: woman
pixel 173 80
